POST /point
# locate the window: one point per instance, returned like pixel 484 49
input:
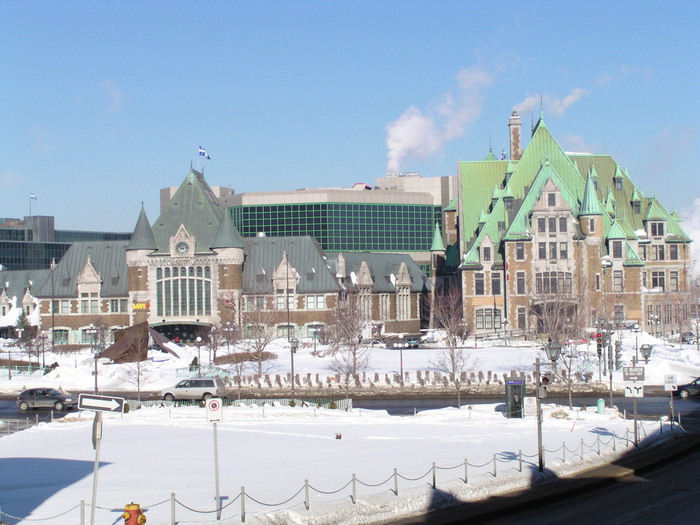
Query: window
pixel 488 319
pixel 617 249
pixel 673 281
pixel 478 284
pixel 658 280
pixel 563 250
pixel 183 291
pixel 118 305
pixel 552 225
pixel 597 281
pixel 495 283
pixel 541 225
pixel 552 250
pixel 562 224
pixel 673 252
pixel 61 306
pixel 404 302
pixel 254 303
pixel 89 303
pixel 617 281
pixel 522 320
pixel 520 283
pixel 284 299
pixel 619 312
pixel 551 199
pixel 591 225
pixel 657 229
pixel 542 250
pixel 315 302
pixel 658 252
pixel 636 207
pixel 644 279
pixel 519 251
pixel 553 283
pixel 384 306
pixel 618 183
pixel 60 336
pixel 643 252
pixel 486 250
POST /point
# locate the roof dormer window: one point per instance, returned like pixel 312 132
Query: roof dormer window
pixel 656 229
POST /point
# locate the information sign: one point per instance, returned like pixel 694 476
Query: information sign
pixel 632 374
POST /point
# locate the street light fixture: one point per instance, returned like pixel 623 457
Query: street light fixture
pixel 199 355
pixel 553 350
pixel 294 345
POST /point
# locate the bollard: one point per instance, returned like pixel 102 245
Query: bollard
pixel 466 471
pixel 307 503
pixel 434 481
pixel 520 460
pixel 396 482
pixel 354 489
pixel 172 509
pixel 243 504
pixel 601 406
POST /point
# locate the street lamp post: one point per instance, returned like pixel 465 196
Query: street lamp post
pixel 294 345
pixel 199 355
pixel 43 339
pixel 93 333
pixel 636 342
pixel 553 349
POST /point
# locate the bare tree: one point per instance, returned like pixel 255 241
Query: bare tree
pixel 135 359
pixel 344 335
pixel 259 330
pixel 453 362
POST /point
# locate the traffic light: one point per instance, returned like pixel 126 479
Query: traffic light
pixel 618 355
pixel 599 343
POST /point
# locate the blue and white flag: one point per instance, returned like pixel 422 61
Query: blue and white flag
pixel 203 153
pixel 32 196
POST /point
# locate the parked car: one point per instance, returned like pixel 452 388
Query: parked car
pixel 688 338
pixel 46 398
pixel 689 389
pixel 196 388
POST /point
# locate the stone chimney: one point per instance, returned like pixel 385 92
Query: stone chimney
pixel 515 125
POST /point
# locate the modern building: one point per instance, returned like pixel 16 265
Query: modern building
pixel 32 243
pixel 547 234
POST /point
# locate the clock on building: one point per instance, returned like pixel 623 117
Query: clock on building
pixel 182 248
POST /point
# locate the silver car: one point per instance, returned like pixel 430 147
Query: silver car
pixel 46 398
pixel 196 388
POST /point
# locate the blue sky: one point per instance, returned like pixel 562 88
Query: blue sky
pixel 104 103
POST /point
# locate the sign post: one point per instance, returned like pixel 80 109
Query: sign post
pixel 98 404
pixel 671 385
pixel 634 388
pixel 214 415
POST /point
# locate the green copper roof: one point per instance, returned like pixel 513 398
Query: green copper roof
pixel 591 204
pixel 616 232
pixel 632 257
pixel 452 205
pixel 143 238
pixel 654 211
pixel 437 245
pixel 195 207
pixel 227 236
pixel 490 156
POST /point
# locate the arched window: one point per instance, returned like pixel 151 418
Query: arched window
pixel 183 292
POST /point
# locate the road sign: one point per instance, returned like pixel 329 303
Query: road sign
pixel 634 390
pixel 530 406
pixel 670 383
pixel 214 411
pixel 101 403
pixel 631 374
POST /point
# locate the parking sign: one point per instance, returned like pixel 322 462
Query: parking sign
pixel 214 410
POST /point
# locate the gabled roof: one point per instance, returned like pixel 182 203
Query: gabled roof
pixel 16 282
pixel 107 257
pixel 384 269
pixel 264 254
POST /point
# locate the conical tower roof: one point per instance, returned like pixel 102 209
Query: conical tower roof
pixel 227 236
pixel 142 238
pixel 437 245
pixel 590 205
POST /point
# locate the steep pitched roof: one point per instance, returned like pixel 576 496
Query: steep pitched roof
pixel 227 235
pixel 385 269
pixel 142 238
pixel 264 254
pixel 590 205
pixel 437 244
pixel 195 206
pixel 108 259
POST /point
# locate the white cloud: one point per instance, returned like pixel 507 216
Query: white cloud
pixel 576 143
pixel 115 95
pixel 551 104
pixel 10 178
pixel 691 226
pixel 421 134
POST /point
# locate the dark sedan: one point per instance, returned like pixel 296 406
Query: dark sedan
pixel 689 389
pixel 46 398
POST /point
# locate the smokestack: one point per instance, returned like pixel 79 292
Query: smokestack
pixel 514 124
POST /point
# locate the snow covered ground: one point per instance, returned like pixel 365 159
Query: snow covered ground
pixel 148 454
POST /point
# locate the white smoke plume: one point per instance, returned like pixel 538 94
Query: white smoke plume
pixel 691 226
pixel 551 104
pixel 421 134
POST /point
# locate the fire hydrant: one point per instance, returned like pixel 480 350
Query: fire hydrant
pixel 133 515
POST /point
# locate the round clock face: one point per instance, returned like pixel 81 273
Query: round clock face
pixel 182 248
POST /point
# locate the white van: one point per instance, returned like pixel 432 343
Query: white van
pixel 196 388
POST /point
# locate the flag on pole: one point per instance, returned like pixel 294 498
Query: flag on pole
pixel 32 196
pixel 203 153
